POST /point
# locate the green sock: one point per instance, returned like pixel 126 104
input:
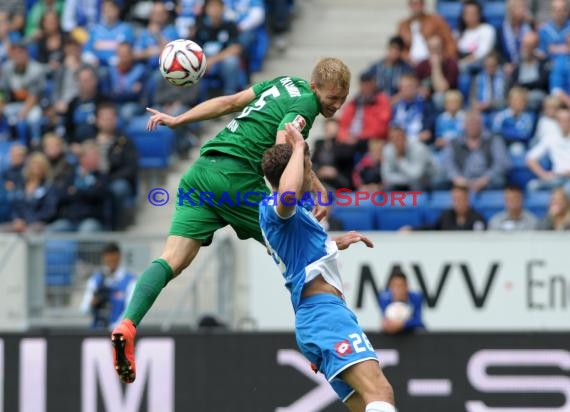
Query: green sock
pixel 148 287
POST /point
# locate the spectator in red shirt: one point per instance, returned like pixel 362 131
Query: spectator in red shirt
pixel 438 73
pixel 367 174
pixel 365 117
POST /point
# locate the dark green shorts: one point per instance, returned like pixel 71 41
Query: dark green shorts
pixel 213 193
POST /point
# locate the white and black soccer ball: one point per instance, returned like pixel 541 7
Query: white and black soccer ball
pixel 182 63
pixel 398 311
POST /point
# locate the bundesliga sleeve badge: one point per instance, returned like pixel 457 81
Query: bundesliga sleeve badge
pixel 299 122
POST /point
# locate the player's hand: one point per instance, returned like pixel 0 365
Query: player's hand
pixel 344 241
pixel 321 211
pixel 158 119
pixel 294 136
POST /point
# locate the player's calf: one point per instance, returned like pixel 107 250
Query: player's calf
pixel 372 387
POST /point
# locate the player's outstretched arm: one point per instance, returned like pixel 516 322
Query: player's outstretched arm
pixel 344 241
pixel 210 109
pixel 291 182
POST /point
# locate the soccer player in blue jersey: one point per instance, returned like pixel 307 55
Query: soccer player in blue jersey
pixel 327 331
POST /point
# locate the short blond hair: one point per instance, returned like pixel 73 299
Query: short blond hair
pixel 42 160
pixel 453 94
pixel 518 91
pixel 331 71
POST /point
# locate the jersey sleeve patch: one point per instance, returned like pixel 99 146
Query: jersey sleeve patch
pixel 299 122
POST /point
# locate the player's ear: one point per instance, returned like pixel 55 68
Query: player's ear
pixel 313 85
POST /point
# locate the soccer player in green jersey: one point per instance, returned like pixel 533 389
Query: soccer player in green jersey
pixel 229 165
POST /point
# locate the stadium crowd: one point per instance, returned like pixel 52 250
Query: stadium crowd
pixel 74 75
pixel 459 102
pixel 454 102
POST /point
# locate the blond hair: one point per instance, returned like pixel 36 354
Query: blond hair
pixel 42 160
pixel 453 95
pixel 331 71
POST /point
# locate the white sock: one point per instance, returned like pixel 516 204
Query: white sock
pixel 379 407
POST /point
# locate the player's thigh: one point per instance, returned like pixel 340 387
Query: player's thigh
pixel 369 381
pixel 179 252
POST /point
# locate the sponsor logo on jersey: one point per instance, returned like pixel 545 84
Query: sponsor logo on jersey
pixel 299 123
pixel 343 348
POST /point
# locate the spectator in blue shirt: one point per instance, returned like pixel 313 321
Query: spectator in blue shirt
pixel 104 38
pixel 491 87
pixel 449 124
pixel 412 112
pixel 126 80
pixel 552 35
pixel 249 16
pixel 517 24
pixel 401 308
pixel 560 78
pixel 157 34
pixel 515 124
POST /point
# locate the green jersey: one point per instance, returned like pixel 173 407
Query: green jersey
pixel 277 102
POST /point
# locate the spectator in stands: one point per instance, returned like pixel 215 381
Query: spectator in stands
pixel 82 202
pixel 449 124
pixel 105 37
pixel 220 41
pixel 119 161
pixel 81 16
pixel 547 122
pixel 62 169
pixel 553 34
pixel 401 308
pixel 50 42
pixel 412 111
pixel 65 85
pixel 491 87
pixel 560 77
pixel 279 14
pixel 332 160
pixel 5 129
pixel 126 82
pixel 461 216
pixel 249 16
pixel 366 116
pixel 23 81
pixel 476 40
pixel 80 116
pixel 186 13
pixel 108 290
pixel 557 147
pixel 515 124
pixel 438 73
pixel 417 29
pixel 389 70
pixel 558 216
pixel 514 217
pixel 531 72
pixel 34 202
pixel 7 37
pixel 476 161
pixel 366 175
pixel 15 9
pixel 158 33
pixel 38 12
pixel 406 164
pixel 13 176
pixel 518 22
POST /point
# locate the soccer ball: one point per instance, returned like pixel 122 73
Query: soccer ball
pixel 398 311
pixel 182 63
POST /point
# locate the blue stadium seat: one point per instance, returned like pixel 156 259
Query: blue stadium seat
pixel 394 215
pixel 489 202
pixel 258 49
pixel 494 12
pixel 155 148
pixel 450 11
pixel 438 202
pixel 355 217
pixel 60 258
pixel 537 202
pixel 519 174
